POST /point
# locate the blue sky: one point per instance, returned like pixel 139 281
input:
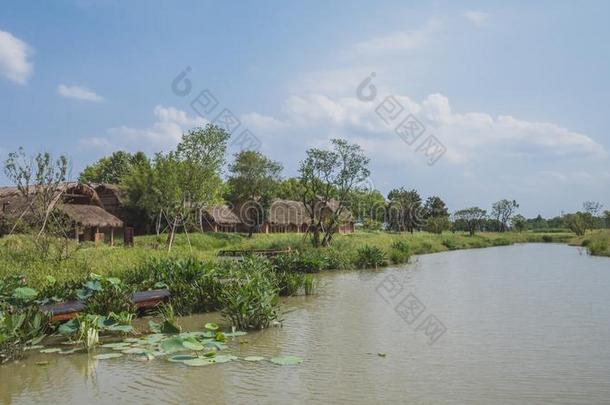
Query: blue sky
pixel 516 93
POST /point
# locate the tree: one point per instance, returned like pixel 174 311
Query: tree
pixel 438 224
pixel 175 186
pixel 367 206
pixel 607 218
pixel 111 169
pixel 577 223
pixel 471 218
pixel 435 207
pixel 289 189
pixel 253 181
pixel 502 211
pixel 38 180
pixel 592 207
pixel 405 210
pixel 519 222
pixel 326 175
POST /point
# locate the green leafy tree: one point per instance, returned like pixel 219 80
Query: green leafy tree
pixel 519 222
pixel 471 218
pixel 111 169
pixel 607 218
pixel 436 215
pixel 176 186
pixel 367 206
pixel 252 184
pixel 577 222
pixel 289 189
pixel 326 175
pixel 405 210
pixel 502 211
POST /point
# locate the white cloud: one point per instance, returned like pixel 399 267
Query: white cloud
pixel 477 18
pixel 400 40
pixel 261 123
pixel 467 136
pixel 78 93
pixel 14 58
pixel 164 134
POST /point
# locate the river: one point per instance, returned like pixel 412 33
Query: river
pixel 513 324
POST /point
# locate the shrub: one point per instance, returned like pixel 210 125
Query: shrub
pixel 250 300
pixel 370 257
pixel 547 238
pixel 450 244
pixel 400 252
pixel 302 262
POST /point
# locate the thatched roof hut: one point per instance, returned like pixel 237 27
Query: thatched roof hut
pixel 288 212
pixel 90 216
pixel 78 201
pixel 219 218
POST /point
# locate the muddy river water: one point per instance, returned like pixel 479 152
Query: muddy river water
pixel 516 324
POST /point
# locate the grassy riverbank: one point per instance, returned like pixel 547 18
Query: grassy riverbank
pixel 20 256
pixel 597 242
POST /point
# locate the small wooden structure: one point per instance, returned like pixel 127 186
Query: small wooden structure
pixel 70 309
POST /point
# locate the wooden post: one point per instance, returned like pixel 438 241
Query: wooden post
pixel 76 233
pixel 111 236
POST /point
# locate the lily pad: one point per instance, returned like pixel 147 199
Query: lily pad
pixel 134 350
pixel 235 334
pixel 71 351
pixel 107 356
pixel 286 360
pixel 222 358
pixel 211 326
pixel 172 345
pixel 51 350
pixel 179 358
pixel 254 358
pixel 198 362
pixel 192 345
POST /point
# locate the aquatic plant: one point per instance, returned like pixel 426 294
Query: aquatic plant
pixel 370 257
pixel 250 301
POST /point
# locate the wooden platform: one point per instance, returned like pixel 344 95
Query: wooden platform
pixel 257 252
pixel 65 311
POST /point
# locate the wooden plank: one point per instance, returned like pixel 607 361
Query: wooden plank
pixel 70 309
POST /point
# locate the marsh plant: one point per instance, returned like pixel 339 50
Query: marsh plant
pixel 370 257
pixel 250 301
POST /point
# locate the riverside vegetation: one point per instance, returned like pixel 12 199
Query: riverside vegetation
pixel 246 292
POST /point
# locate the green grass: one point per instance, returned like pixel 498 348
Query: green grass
pixel 18 255
pixel 597 242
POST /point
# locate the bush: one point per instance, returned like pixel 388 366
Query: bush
pixel 370 257
pixel 450 244
pixel 400 252
pixel 301 262
pixel 547 238
pixel 250 300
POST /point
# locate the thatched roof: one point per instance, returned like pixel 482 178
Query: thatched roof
pixel 119 193
pixel 288 212
pixel 77 200
pixel 91 216
pixel 222 215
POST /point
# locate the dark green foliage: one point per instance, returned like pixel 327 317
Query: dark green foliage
pixel 370 257
pixel 400 252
